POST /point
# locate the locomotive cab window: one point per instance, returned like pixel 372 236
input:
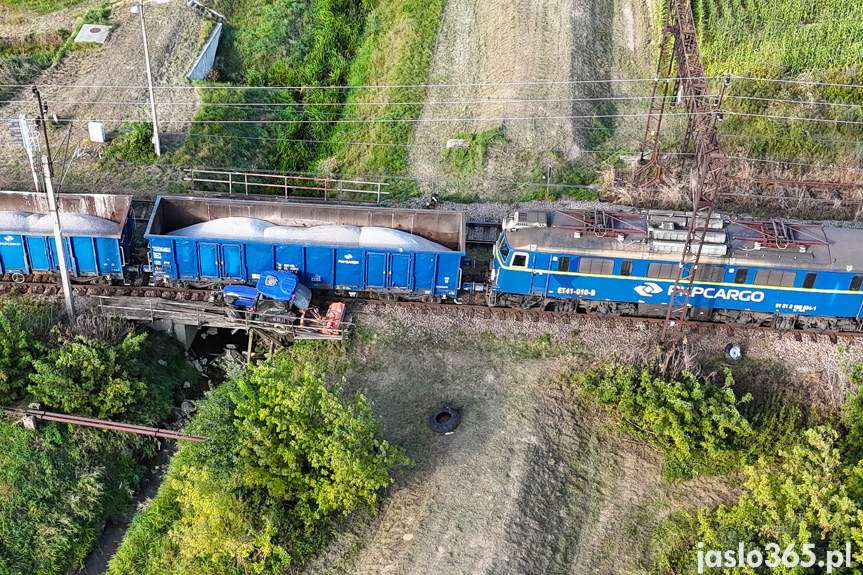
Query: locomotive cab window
pixel 714 274
pixel 740 276
pixel 595 266
pixel 662 271
pixel 626 268
pixel 856 283
pixel 563 263
pixel 774 278
pixel 503 249
pixel 809 281
pixel 519 260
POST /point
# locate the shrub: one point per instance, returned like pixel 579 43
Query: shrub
pixel 283 451
pixel 135 144
pixel 18 348
pixel 56 487
pixel 695 422
pixel 309 445
pixel 95 378
pixel 471 159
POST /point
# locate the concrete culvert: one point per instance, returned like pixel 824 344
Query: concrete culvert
pixel 444 419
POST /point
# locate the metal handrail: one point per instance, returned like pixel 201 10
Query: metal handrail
pixel 285 182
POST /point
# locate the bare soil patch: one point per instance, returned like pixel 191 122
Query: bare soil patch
pixel 539 48
pixel 531 481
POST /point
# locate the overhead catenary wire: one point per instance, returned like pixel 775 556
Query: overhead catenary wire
pixel 798 82
pixel 378 121
pixel 360 87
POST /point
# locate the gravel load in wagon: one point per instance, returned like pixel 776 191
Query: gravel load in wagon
pixel 28 223
pixel 257 230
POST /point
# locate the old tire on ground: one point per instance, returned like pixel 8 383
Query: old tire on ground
pixel 733 352
pixel 444 419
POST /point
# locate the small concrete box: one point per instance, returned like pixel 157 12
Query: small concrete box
pixel 97 132
pixel 96 33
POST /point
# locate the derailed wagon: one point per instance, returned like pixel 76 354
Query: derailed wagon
pixel 394 253
pixel 98 233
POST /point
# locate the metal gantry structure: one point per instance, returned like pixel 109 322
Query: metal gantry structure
pixel 679 52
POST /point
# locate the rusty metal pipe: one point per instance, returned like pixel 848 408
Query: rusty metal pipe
pixel 103 424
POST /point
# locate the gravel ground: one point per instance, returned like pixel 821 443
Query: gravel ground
pixel 86 75
pixel 815 365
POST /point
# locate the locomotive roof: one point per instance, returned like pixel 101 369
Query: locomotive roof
pixel 658 235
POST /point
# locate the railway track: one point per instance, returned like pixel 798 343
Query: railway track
pixel 43 287
pixel 469 310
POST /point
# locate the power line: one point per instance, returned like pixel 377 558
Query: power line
pixel 380 121
pixel 348 104
pixel 805 102
pixel 799 82
pixel 362 87
pixel 797 118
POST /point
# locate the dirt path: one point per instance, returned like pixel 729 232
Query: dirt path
pixel 174 34
pixel 538 47
pixel 529 483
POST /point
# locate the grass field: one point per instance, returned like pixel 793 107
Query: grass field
pixel 811 40
pixel 297 44
pixel 396 50
pixel 40 6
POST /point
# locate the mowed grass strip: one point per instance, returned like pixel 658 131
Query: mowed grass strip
pixel 40 6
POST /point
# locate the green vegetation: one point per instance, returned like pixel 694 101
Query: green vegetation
pixel 97 378
pixel 286 456
pixel 396 51
pixel 803 489
pixel 22 60
pixel 56 487
pixel 135 144
pixel 18 347
pixel 568 180
pixel 40 6
pixel 58 484
pixel 470 159
pixel 284 43
pixel 316 44
pixel 695 422
pixel 810 40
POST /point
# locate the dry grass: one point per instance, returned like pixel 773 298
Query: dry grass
pixel 529 483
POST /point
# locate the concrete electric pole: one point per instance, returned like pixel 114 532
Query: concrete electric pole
pixel 156 146
pixel 48 173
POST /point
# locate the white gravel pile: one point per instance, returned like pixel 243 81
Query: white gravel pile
pixel 42 224
pixel 253 229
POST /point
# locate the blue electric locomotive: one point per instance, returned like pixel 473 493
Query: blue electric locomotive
pixel 750 273
pixel 393 253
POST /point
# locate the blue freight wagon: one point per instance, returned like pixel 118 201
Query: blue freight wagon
pixel 98 232
pixel 391 252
